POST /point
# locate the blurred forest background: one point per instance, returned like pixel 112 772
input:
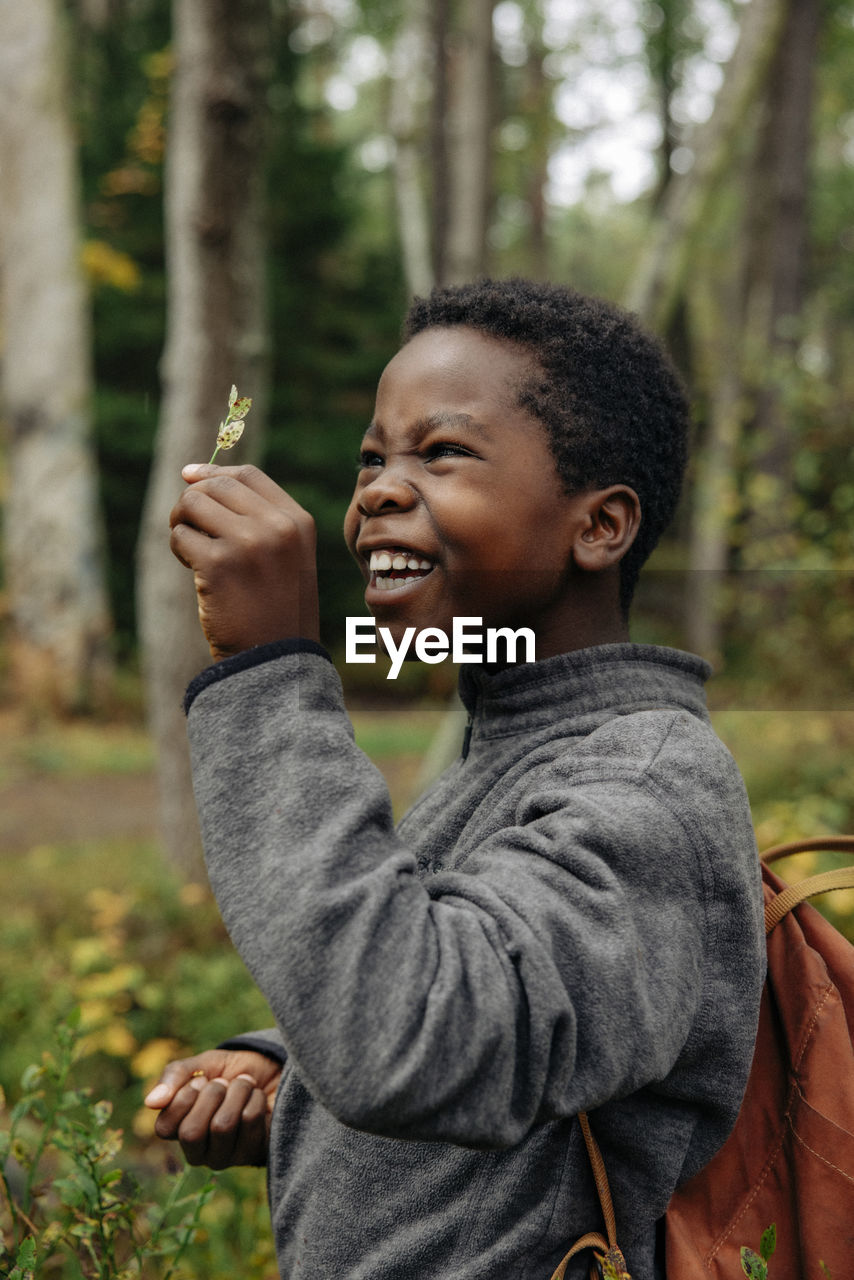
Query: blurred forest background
pixel 202 192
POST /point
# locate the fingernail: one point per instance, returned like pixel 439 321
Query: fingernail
pixel 192 469
pixel 244 1076
pixel 158 1096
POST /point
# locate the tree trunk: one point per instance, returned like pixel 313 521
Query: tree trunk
pixel 408 74
pixel 216 335
pixel 777 275
pixel 719 320
pixel 53 545
pixel 470 144
pixel 539 113
pixel 750 338
pixel 461 140
pixel 439 165
pixel 683 210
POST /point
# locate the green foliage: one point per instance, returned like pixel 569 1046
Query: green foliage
pixel 64 1194
pixel 146 959
pixel 755 1265
pixel 148 965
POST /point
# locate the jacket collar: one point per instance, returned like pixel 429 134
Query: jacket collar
pixel 612 678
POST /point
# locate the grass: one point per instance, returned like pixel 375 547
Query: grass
pixel 75 749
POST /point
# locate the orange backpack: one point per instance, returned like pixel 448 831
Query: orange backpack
pixel 790 1157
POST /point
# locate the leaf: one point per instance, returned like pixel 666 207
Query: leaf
pixel 102 1111
pixel 769 1241
pixel 27 1253
pixel 229 436
pixel 25 1261
pixel 752 1265
pixel 240 408
pixel 31 1077
pixel 232 397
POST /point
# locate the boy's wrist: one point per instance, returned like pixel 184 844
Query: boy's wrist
pixel 250 658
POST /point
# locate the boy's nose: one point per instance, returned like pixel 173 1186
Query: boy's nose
pixel 389 491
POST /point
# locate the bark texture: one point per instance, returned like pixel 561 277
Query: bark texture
pixel 216 335
pixel 660 278
pixel 52 545
pixel 470 120
pixel 749 326
pixel 408 90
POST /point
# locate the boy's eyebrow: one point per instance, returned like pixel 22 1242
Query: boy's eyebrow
pixel 432 422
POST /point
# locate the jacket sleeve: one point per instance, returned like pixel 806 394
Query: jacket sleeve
pixel 269 1042
pixel 466 1006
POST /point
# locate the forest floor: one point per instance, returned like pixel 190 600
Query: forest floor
pixel 52 810
pixel 83 780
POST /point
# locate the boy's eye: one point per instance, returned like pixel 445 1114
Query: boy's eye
pixel 445 449
pixel 367 458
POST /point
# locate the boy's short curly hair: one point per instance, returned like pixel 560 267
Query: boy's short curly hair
pixel 609 397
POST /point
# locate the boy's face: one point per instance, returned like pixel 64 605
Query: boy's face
pixel 458 510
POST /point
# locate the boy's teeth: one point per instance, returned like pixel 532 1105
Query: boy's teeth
pixel 382 561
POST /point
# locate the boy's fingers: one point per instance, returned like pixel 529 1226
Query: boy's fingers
pixel 214 510
pixel 252 477
pixel 237 1129
pixel 253 1138
pixel 176 1074
pixel 193 1132
pixel 173 1114
pixel 228 1115
pixel 239 488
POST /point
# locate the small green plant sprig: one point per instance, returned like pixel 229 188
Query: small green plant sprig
pixel 755 1265
pixel 612 1268
pixel 231 430
pixel 60 1192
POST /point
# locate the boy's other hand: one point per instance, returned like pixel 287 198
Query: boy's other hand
pixel 252 551
pixel 218 1105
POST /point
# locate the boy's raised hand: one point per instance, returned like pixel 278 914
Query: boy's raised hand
pixel 218 1105
pixel 252 551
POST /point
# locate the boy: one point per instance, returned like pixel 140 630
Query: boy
pixel 569 920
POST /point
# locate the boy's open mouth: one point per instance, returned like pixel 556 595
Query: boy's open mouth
pixel 395 567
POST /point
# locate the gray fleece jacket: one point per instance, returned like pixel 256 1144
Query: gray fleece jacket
pixel 570 919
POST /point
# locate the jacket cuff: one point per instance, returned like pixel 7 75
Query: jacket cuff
pixel 268 1043
pixel 247 659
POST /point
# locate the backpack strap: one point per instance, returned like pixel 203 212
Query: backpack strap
pixel 793 895
pixel 594 1239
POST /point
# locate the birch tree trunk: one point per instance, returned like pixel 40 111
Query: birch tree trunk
pixel 752 334
pixel 469 133
pixel 59 644
pixel 409 61
pixel 719 320
pixel 216 335
pixel 658 282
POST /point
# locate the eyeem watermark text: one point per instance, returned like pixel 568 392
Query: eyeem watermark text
pixel 468 643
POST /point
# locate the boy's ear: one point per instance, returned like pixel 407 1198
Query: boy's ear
pixel 610 519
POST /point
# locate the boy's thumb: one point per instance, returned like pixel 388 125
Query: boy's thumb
pixel 158 1096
